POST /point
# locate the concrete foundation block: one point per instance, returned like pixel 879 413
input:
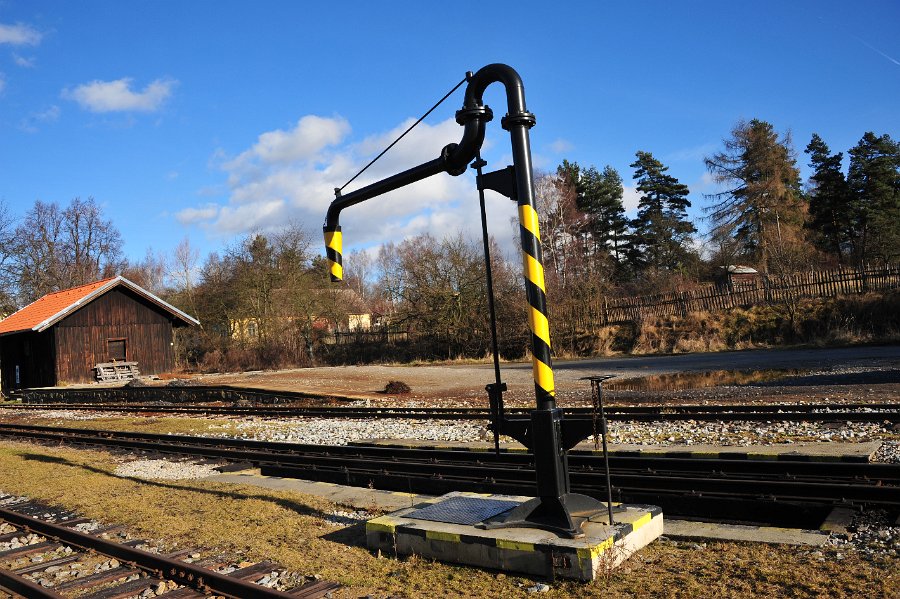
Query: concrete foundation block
pixel 527 551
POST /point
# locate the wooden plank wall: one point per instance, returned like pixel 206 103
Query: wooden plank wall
pixel 34 354
pixel 81 338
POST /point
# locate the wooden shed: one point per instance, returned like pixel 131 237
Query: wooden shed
pixel 736 276
pixel 61 337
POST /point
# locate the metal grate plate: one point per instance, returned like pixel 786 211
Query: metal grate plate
pixel 463 510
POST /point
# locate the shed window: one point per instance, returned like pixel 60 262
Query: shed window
pixel 116 349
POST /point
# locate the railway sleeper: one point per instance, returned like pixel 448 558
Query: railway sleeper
pixel 129 572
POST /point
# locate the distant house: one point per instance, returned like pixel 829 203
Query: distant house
pixel 61 337
pixel 736 276
pixel 355 318
pixel 359 322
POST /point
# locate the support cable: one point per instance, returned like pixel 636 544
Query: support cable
pixel 402 135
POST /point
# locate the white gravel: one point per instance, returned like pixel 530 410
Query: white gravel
pixel 334 431
pixel 686 433
pixel 165 470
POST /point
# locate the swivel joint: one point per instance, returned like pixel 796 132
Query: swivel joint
pixel 520 118
pixel 483 113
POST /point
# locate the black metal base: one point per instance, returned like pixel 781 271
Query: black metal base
pixel 563 515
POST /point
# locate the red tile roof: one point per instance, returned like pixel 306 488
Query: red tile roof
pixel 43 312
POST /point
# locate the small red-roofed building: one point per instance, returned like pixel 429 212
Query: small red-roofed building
pixel 63 336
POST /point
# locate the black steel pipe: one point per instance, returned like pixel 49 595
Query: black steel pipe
pixel 454 159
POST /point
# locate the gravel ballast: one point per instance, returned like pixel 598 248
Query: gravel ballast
pixel 336 431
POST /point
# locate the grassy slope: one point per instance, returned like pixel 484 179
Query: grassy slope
pixel 848 320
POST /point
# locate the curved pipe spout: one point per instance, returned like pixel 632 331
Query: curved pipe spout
pixel 454 159
pixel 548 434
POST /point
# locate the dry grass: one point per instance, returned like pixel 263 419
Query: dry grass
pixel 141 424
pixel 288 527
pixel 849 320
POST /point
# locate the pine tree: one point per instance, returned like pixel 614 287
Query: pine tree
pixel 661 232
pixel 874 181
pixel 599 196
pixel 830 209
pixel 763 196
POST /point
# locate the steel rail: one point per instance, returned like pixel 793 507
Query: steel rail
pixel 593 484
pixel 799 412
pixel 184 573
pixel 279 451
pixel 619 408
pixel 10 581
pixel 278 398
pixel 421 469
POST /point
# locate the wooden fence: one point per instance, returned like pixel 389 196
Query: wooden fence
pixel 710 298
pixel 764 289
pixel 373 336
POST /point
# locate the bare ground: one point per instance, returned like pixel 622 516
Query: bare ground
pixel 826 375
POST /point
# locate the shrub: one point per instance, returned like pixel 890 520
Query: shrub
pixel 397 388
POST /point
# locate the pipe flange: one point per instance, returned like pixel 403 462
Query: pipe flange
pixel 484 113
pixel 521 118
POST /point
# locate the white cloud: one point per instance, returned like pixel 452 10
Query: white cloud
pixel 19 35
pixel 561 146
pixel 290 176
pixel 706 183
pixel 309 137
pixel 2 83
pixel 49 115
pixel 195 215
pixel 630 199
pixel 31 122
pixel 23 61
pixel 117 96
pixel 692 154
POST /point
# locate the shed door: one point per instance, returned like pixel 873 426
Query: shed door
pixel 116 349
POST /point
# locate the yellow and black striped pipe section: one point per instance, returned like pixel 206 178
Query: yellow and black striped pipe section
pixel 333 248
pixel 535 291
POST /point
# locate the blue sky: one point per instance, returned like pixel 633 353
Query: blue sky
pixel 214 119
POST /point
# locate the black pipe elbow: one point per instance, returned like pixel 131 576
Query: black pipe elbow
pixel 515 92
pixel 455 157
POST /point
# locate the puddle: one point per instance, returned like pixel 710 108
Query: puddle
pixel 680 381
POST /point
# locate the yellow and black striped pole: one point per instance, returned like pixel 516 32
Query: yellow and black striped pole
pixel 535 290
pixel 518 123
pixel 333 248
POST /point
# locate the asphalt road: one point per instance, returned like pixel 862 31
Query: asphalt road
pixel 887 357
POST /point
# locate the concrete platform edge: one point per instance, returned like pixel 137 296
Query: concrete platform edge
pixel 521 551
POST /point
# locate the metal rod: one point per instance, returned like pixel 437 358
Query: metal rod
pixel 605 451
pixel 597 401
pixel 496 393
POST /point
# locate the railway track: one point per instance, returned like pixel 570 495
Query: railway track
pixel 776 492
pixel 49 556
pixel 707 413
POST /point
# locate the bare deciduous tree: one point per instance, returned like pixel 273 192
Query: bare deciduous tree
pixel 92 245
pixel 150 273
pixel 60 248
pixel 182 272
pixel 7 256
